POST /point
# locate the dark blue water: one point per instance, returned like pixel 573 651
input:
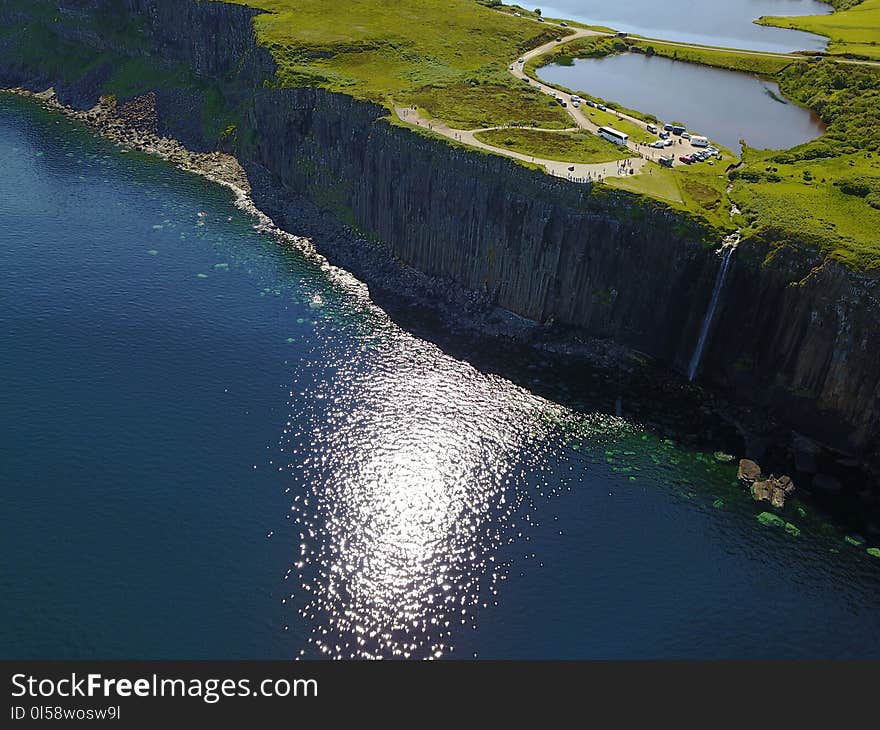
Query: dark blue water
pixel 214 445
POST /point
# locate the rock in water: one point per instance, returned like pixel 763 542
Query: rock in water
pixel 771 520
pixel 748 471
pixel 769 490
pixel 723 457
pixel 762 491
pixel 786 484
pixel 777 498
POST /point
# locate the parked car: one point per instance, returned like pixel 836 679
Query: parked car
pixel 564 24
pixel 667 143
pixel 685 135
pixel 602 107
pixel 540 20
pixel 652 128
pixel 522 60
pixel 686 159
pixel 591 103
pixel 664 135
pixel 576 104
pixel 659 144
pixel 667 127
pixel 575 97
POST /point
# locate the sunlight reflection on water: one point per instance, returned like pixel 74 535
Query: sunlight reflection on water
pixel 413 465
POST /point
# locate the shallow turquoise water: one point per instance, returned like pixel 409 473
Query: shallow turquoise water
pixel 214 445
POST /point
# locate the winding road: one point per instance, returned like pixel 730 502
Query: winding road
pixel 581 115
pixel 576 172
pixel 582 172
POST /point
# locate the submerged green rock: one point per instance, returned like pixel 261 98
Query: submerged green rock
pixel 792 530
pixel 874 551
pixel 768 518
pixel 856 540
pixel 718 504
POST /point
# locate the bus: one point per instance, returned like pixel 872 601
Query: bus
pixel 612 135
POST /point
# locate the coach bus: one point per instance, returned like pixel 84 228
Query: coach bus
pixel 612 135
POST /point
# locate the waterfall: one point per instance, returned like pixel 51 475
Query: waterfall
pixel 727 250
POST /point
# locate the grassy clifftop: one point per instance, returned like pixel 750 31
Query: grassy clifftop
pixel 448 56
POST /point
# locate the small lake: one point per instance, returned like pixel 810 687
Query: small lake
pixel 728 24
pixel 726 106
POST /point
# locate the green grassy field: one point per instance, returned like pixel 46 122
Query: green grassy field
pixel 831 202
pixel 580 146
pixel 855 30
pixel 659 183
pixel 490 104
pixel 700 190
pixel 449 57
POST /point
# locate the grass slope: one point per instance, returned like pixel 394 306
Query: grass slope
pixel 855 30
pixel 581 146
pixel 827 191
pixel 449 57
pixel 753 63
pixel 699 190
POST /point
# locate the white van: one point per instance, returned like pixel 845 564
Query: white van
pixel 699 141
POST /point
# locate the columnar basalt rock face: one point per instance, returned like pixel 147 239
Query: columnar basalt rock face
pixel 543 248
pixel 793 335
pixel 802 336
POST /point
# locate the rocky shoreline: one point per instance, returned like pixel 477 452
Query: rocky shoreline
pixel 132 125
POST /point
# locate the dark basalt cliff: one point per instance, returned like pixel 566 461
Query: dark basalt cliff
pixel 790 334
